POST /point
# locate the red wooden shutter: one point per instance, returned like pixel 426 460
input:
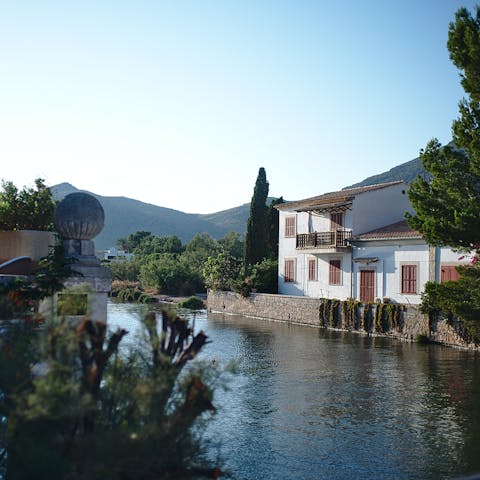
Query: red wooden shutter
pixel 289 271
pixel 312 269
pixel 290 226
pixel 409 279
pixel 334 274
pixel 449 274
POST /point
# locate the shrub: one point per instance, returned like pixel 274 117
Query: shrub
pixel 192 303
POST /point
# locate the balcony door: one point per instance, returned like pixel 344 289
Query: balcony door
pixel 367 286
pixel 336 227
pixel 336 221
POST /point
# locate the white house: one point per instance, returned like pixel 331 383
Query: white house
pixel 115 254
pixel 395 262
pixel 354 243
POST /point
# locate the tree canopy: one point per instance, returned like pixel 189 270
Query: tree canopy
pixel 26 209
pixel 256 236
pixel 448 205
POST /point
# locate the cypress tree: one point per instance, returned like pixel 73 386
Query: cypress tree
pixel 272 228
pixel 257 235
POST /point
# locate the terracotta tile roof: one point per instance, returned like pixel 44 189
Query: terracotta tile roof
pixel 390 232
pixel 332 198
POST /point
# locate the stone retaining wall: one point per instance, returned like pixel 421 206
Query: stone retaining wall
pixel 411 325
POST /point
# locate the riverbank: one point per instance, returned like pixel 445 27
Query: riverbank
pixel 402 322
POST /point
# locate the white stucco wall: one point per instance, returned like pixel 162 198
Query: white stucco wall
pixel 378 208
pixel 388 269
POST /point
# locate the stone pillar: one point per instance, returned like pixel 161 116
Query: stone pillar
pixel 79 217
pixel 432 263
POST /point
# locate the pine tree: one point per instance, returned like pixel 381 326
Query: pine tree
pixel 448 205
pixel 256 236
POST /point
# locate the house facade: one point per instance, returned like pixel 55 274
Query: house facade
pixel 354 243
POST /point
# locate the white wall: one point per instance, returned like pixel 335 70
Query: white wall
pixel 379 208
pixel 388 268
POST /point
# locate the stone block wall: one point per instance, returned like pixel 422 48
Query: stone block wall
pixel 30 243
pixel 412 324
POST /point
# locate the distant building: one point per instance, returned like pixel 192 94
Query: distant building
pixel 355 243
pixel 115 254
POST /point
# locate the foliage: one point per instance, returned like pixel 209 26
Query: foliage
pixel 242 285
pixel 164 264
pixel 350 313
pixel 460 300
pixel 448 207
pixel 192 303
pixel 124 270
pixel 165 273
pixel 232 244
pixel 132 241
pixel 218 272
pixel 127 291
pixel 272 228
pixel 93 412
pixel 26 209
pixel 265 276
pixel 329 312
pixel 20 298
pixel 256 236
pixel 387 316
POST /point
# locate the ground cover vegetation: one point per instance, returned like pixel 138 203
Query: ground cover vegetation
pixel 75 405
pixel 447 202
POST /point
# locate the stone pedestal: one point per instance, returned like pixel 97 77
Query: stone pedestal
pixel 78 218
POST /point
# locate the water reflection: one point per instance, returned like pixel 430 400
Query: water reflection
pixel 315 404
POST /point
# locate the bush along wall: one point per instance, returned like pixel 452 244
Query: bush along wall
pixel 381 317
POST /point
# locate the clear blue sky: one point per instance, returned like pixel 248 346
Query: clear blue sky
pixel 178 103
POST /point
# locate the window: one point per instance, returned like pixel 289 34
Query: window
pixel 290 226
pixel 335 273
pixel 289 270
pixel 312 269
pixel 449 274
pixel 409 279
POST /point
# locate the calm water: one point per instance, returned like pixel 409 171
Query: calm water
pixel 314 404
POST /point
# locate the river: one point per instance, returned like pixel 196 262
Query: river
pixel 310 403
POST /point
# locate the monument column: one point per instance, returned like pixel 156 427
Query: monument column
pixel 79 217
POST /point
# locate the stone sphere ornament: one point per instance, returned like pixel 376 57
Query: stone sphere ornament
pixel 79 216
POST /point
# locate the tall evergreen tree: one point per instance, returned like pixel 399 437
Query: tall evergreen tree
pixel 256 236
pixel 448 206
pixel 272 228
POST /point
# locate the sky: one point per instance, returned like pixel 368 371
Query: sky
pixel 179 103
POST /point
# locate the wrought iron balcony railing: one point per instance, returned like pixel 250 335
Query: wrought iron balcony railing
pixel 335 238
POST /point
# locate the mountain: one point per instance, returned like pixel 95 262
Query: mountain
pixel 124 216
pixel 406 171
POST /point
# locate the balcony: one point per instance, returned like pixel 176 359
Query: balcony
pixel 333 240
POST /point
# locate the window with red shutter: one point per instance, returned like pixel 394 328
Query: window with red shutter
pixel 334 274
pixel 409 279
pixel 312 270
pixel 289 270
pixel 449 274
pixel 290 226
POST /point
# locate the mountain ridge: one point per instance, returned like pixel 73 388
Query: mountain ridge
pixel 124 215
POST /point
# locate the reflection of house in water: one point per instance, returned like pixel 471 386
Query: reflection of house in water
pixel 355 243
